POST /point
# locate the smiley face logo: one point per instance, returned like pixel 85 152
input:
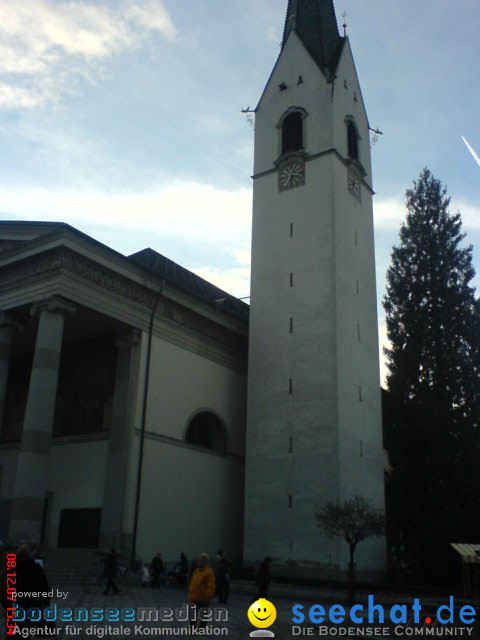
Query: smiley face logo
pixel 262 613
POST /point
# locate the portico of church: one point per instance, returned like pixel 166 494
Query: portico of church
pixel 94 351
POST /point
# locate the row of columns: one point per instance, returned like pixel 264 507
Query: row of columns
pixel 34 456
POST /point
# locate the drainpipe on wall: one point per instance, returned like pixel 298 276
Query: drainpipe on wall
pixel 142 427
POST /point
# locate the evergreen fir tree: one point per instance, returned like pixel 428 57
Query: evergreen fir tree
pixel 434 382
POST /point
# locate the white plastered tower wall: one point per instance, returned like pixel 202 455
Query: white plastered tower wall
pixel 314 417
pixel 361 454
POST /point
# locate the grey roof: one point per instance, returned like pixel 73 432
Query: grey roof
pixel 315 24
pixel 23 233
pixel 174 273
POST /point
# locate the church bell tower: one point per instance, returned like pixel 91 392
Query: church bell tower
pixel 314 419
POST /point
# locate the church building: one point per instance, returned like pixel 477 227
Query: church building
pixel 129 416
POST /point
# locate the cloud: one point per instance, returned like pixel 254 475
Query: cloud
pixel 236 281
pixel 243 257
pixel 389 213
pixel 203 228
pixel 470 214
pixel 45 45
pixel 273 35
pixel 198 211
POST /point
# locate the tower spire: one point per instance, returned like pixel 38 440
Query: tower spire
pixel 315 23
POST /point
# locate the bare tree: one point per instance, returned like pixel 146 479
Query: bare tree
pixel 352 520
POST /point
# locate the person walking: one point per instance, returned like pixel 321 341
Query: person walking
pixel 156 568
pixel 222 576
pixel 110 571
pixel 263 578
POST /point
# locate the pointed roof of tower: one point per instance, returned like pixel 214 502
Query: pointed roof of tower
pixel 315 24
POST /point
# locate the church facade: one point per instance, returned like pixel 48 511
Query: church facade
pixel 123 380
pixel 123 392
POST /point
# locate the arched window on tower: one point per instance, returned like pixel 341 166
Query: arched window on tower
pixel 352 136
pixel 292 132
pixel 206 430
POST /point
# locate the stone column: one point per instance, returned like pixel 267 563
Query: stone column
pixel 112 532
pixel 7 325
pixel 32 468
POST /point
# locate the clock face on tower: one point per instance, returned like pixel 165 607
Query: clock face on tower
pixel 354 186
pixel 291 175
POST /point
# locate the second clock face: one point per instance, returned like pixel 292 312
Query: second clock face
pixel 291 175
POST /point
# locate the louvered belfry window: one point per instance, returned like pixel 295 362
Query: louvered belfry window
pixel 352 141
pixel 292 132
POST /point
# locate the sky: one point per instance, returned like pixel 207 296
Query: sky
pixel 123 118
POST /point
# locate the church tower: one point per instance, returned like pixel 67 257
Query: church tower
pixel 314 418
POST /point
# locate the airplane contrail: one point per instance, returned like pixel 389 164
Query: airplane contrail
pixel 472 151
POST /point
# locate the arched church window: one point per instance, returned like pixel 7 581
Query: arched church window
pixel 206 430
pixel 352 136
pixel 292 132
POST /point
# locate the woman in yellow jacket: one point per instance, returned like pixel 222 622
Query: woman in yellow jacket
pixel 202 586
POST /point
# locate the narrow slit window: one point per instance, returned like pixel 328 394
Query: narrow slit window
pixel 290 386
pixel 291 325
pixel 291 229
pixel 291 279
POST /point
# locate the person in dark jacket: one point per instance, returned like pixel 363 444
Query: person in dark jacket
pixel 110 571
pixel 30 578
pixel 156 569
pixel 222 576
pixel 263 578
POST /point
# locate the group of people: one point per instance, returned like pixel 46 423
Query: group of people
pixel 204 582
pixel 151 575
pixel 180 574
